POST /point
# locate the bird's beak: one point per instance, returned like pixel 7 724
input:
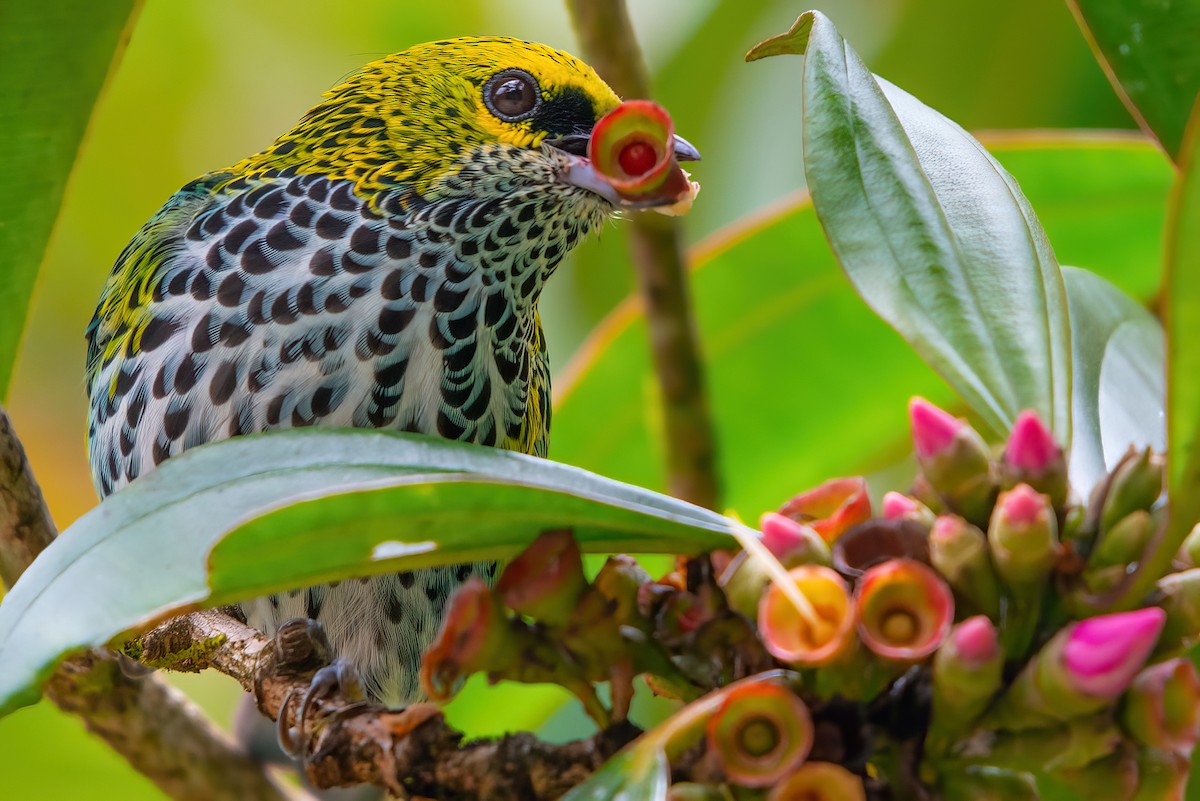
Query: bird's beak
pixel 600 161
pixel 577 145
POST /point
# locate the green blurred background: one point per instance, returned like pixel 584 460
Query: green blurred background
pixel 204 84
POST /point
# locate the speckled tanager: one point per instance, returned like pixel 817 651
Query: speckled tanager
pixel 379 265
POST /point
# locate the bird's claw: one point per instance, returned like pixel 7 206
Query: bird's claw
pixel 341 679
pixel 300 645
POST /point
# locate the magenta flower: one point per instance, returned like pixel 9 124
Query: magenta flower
pixel 1103 654
pixel 974 642
pixel 896 506
pixel 1031 447
pixel 933 430
pixel 956 464
pixel 1082 670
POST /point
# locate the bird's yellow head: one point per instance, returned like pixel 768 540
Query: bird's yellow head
pixel 414 117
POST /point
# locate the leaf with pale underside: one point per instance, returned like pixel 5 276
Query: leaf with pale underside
pixel 271 512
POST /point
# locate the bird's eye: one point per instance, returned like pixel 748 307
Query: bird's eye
pixel 512 95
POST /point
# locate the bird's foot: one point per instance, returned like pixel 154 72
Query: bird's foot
pixel 300 645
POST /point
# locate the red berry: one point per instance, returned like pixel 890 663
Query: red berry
pixel 637 158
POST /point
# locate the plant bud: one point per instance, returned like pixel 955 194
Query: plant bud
pixel 976 783
pixel 1024 537
pixel 1181 601
pixel 904 610
pixel 959 551
pixel 792 543
pixel 1162 708
pixel 1123 543
pixel 966 676
pixel 831 508
pixel 897 506
pixel 1083 669
pixel 690 791
pixel 1189 552
pixel 1033 457
pixel 1161 776
pixel 760 733
pixel 1135 485
pixel 473 637
pixel 819 781
pixel 745 578
pixel 954 460
pixel 545 581
pixel 814 635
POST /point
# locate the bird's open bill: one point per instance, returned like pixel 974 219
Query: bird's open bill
pixel 633 159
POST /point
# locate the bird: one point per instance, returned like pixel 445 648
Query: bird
pixel 379 265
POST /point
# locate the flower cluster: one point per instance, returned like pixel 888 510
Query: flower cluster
pixel 979 631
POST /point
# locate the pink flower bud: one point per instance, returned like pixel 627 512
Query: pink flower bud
pixel 1103 654
pixel 1022 505
pixel 933 430
pixel 1031 446
pixel 966 677
pixel 904 610
pixel 1023 534
pixel 896 506
pixel 957 471
pixel 831 508
pixel 783 535
pixel 975 641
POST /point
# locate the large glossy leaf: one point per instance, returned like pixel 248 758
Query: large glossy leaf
pixel 935 235
pixel 1182 301
pixel 1118 385
pixel 54 56
pixel 1149 51
pixel 806 383
pixel 259 514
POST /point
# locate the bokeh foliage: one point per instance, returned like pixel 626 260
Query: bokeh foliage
pixel 204 84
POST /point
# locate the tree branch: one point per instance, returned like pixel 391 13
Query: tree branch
pixel 410 751
pixel 607 40
pixel 155 727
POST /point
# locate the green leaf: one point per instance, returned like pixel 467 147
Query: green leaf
pixel 935 235
pixel 54 59
pixel 1149 51
pixel 805 382
pixel 1118 381
pixel 1182 306
pixel 241 518
pixel 640 774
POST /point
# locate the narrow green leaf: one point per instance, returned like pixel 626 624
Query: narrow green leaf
pixel 252 515
pixel 1150 53
pixel 1182 298
pixel 935 235
pixel 54 58
pixel 829 380
pixel 639 774
pixel 1118 382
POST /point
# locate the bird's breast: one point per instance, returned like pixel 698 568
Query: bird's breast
pixel 293 302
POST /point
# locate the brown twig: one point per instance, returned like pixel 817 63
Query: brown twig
pixel 607 40
pixel 156 728
pixel 410 752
